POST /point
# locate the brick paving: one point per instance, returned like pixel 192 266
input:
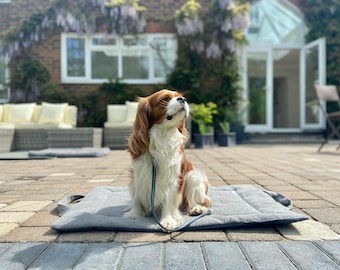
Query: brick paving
pixel 30 190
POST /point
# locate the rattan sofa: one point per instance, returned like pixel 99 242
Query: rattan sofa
pixel 27 126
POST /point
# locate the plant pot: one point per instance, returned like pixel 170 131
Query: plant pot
pixel 239 130
pixel 204 140
pixel 226 139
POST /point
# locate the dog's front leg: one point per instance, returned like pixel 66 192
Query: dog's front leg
pixel 195 192
pixel 171 217
pixel 136 210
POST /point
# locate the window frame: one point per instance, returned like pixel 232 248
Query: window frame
pixel 90 47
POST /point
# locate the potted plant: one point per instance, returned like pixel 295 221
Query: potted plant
pixel 225 137
pixel 232 116
pixel 202 115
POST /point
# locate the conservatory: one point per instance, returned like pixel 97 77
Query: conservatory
pixel 279 71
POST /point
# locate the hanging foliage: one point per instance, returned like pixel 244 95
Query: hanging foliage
pixel 322 18
pixel 116 17
pixel 220 32
pixel 207 63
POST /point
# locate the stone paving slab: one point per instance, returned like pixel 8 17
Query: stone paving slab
pixel 29 195
pixel 198 255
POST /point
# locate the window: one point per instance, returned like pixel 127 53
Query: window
pixel 143 59
pixel 5 1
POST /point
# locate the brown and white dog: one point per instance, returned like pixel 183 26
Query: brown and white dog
pixel 159 138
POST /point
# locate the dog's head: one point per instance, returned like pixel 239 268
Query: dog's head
pixel 165 108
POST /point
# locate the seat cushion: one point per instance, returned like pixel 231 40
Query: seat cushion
pixel 21 113
pixel 131 111
pixel 116 113
pixel 52 113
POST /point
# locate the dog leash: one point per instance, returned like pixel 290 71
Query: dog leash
pixel 153 191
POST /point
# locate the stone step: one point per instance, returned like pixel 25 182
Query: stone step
pixel 284 138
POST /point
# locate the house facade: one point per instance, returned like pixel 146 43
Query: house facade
pixel 278 69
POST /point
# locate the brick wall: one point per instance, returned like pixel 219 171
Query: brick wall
pixel 159 17
pixel 13 12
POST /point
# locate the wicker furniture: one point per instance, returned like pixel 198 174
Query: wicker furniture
pixel 119 125
pixel 73 138
pixel 116 138
pixel 37 139
pixel 29 139
pixel 6 139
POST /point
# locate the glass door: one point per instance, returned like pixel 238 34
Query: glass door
pixel 313 71
pixel 286 89
pixel 257 82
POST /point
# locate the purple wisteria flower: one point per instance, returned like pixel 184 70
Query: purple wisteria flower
pixel 197 45
pixel 226 25
pixel 189 27
pixel 230 45
pixel 241 23
pixel 126 19
pixel 213 51
pixel 224 3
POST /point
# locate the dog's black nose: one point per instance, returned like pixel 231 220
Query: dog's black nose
pixel 181 100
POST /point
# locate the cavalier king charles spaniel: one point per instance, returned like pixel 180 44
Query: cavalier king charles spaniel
pixel 158 139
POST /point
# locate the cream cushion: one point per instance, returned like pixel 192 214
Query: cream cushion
pixel 131 111
pixel 70 116
pixel 116 113
pixel 41 125
pixel 52 113
pixel 36 114
pixel 21 113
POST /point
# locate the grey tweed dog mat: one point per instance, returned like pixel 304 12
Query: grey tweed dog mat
pixel 233 207
pixel 70 152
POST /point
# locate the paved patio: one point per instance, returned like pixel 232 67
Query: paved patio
pixel 30 190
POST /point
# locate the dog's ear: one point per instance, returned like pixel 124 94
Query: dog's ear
pixel 139 140
pixel 183 130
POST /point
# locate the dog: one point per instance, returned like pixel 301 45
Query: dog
pixel 158 139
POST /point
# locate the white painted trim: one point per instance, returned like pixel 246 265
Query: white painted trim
pixel 269 88
pixel 89 47
pixel 268 127
pixel 321 44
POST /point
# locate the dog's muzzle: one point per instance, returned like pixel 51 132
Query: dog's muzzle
pixel 182 101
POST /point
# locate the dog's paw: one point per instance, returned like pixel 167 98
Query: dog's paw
pixel 132 214
pixel 197 210
pixel 171 223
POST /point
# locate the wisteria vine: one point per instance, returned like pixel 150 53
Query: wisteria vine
pixel 121 17
pixel 221 32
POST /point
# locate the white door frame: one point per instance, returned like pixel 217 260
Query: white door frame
pixel 269 90
pixel 321 45
pixel 268 126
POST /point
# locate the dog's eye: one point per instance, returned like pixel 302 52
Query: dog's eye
pixel 165 99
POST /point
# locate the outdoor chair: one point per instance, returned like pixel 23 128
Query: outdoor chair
pixel 329 93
